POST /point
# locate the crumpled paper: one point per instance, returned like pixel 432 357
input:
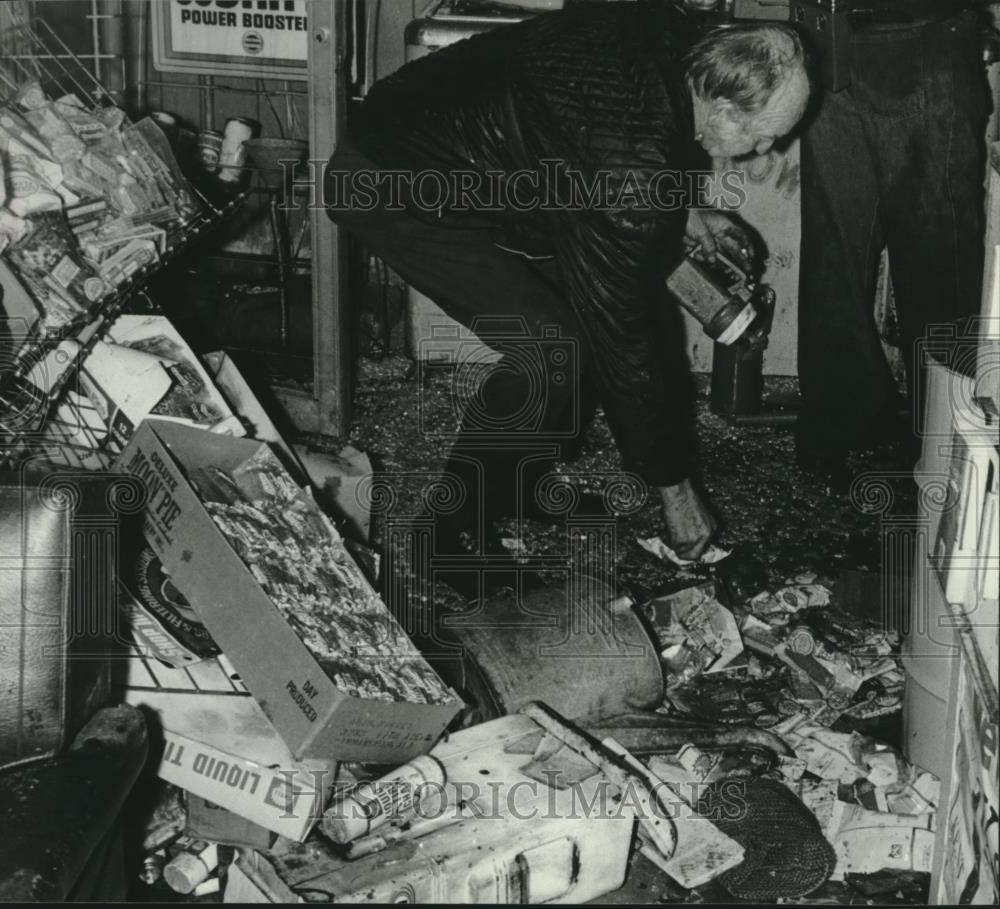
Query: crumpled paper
pixel 802 593
pixel 661 550
pixel 698 634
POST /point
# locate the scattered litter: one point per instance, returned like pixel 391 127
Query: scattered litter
pixel 869 841
pixel 514 545
pixel 703 851
pixel 801 594
pixel 829 755
pixel 698 634
pixel 661 550
pixel 819 796
pixel 791 769
pixel 883 769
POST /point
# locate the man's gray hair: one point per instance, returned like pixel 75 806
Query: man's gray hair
pixel 744 64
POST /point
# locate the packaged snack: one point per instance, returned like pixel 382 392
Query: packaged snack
pixel 47 258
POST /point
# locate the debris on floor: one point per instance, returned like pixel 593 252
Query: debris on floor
pixel 741 758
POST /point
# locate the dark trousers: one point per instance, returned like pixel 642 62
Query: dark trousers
pixel 521 413
pixel 897 160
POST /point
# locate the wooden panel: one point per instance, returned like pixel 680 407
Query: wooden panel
pixel 988 366
pixel 331 330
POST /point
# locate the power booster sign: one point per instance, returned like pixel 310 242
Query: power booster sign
pixel 273 15
pixel 239 37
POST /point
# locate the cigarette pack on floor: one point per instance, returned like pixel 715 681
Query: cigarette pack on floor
pixel 280 594
pixel 218 744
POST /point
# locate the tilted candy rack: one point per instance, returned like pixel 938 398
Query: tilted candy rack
pixel 35 56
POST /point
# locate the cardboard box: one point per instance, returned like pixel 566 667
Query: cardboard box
pixel 315 712
pixel 965 869
pixel 140 366
pixel 206 701
pixel 211 822
pixel 192 398
pixel 218 744
pixel 336 479
pixel 959 559
pixel 240 397
pixel 286 799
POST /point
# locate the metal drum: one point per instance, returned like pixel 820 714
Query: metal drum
pixel 576 647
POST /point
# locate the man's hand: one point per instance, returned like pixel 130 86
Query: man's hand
pixel 688 522
pixel 714 231
pixel 702 5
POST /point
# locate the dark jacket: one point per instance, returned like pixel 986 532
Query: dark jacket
pixel 596 86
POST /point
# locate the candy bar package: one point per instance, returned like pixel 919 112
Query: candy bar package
pixel 89 127
pixel 151 155
pixel 34 178
pixel 64 286
pixel 57 133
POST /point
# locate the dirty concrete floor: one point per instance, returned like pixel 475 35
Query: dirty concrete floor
pixel 773 515
pixel 779 520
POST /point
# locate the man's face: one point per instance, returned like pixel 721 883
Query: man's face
pixel 729 133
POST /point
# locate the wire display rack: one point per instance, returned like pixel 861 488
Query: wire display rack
pixel 34 53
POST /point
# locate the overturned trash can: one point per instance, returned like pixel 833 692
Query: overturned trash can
pixel 579 647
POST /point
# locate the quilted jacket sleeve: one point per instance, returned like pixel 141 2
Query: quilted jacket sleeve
pixel 641 370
